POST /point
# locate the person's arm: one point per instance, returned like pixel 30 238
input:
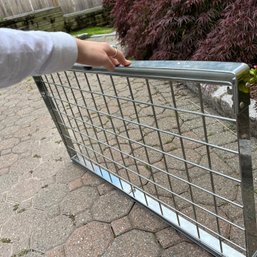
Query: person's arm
pixel 36 52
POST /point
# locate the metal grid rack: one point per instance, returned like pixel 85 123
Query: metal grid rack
pixel 143 131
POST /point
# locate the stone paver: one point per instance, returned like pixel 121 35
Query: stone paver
pixel 132 244
pixel 83 218
pixel 56 252
pixel 7 181
pixel 78 200
pixel 6 211
pixel 68 174
pixel 24 190
pixel 168 237
pixel 75 184
pixel 89 240
pixel 4 171
pixel 5 249
pixel 90 179
pixel 111 206
pixel 51 207
pixel 179 251
pixel 104 188
pixel 18 228
pixel 50 195
pixel 51 233
pixel 24 167
pixel 8 160
pixel 145 220
pixel 8 143
pixel 121 226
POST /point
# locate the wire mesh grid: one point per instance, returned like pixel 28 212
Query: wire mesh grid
pixel 161 144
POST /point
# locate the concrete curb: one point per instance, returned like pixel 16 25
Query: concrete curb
pixel 105 35
pixel 221 100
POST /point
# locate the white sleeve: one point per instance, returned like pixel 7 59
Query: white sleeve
pixel 24 53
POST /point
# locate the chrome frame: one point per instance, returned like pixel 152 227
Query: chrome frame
pixel 67 110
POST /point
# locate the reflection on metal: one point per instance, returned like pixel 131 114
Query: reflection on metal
pixel 143 131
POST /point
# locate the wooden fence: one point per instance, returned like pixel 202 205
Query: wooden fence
pixel 15 7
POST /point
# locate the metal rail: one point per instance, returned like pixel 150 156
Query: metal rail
pixel 143 131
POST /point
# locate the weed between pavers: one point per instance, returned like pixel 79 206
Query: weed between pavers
pixel 147 167
pixel 36 156
pixel 25 252
pixel 15 207
pixel 5 240
pixel 72 217
pixel 21 210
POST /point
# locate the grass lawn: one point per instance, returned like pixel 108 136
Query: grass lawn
pixel 93 31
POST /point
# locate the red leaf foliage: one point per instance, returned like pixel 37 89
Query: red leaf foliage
pixel 224 30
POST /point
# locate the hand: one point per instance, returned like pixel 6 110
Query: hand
pixel 100 54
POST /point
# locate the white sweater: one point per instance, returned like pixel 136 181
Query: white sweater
pixel 24 53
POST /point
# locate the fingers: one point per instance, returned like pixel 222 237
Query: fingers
pixel 114 61
pixel 121 59
pixel 117 56
pixel 116 52
pixel 110 63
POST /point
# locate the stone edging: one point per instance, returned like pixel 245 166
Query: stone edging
pixel 219 98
